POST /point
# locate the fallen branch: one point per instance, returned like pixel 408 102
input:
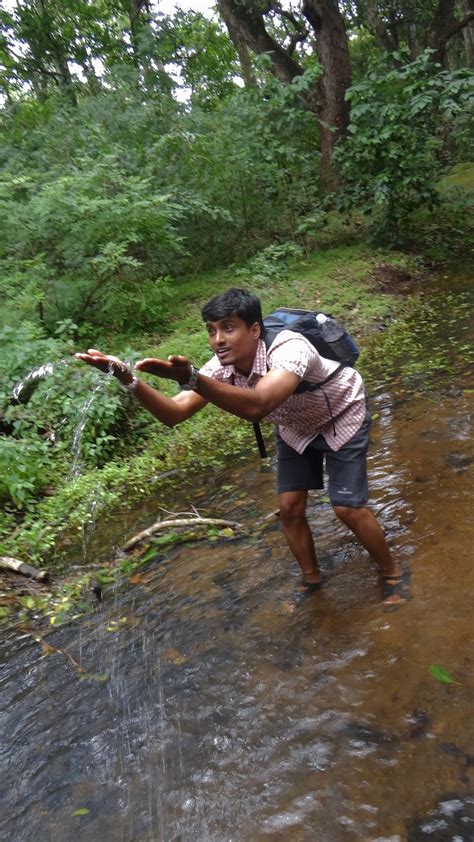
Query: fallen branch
pixel 18 566
pixel 179 522
pixel 47 649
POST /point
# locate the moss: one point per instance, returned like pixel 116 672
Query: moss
pixel 461 175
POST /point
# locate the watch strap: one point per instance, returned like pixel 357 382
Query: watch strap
pixel 193 380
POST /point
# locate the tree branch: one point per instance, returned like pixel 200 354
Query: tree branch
pixel 179 522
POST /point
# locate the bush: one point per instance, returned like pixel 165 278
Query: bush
pixel 390 162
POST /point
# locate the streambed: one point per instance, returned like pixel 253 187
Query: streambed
pixel 214 707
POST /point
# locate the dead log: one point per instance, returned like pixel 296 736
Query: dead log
pixel 189 522
pixel 8 563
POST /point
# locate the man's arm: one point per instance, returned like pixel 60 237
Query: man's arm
pixel 252 404
pixel 169 411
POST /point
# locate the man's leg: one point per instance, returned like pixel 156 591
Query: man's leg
pixel 367 529
pixel 348 492
pixel 298 534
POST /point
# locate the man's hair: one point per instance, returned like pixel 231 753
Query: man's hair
pixel 234 302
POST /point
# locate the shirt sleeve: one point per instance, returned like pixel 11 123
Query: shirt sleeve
pixel 291 353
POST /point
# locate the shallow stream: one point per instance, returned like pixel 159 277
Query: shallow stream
pixel 217 707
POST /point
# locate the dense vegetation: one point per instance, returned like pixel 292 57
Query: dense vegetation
pixel 128 197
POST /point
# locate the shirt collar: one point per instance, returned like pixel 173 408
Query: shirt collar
pixel 259 366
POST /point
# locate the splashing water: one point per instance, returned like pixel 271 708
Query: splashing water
pixel 101 385
pixel 36 373
pixel 49 368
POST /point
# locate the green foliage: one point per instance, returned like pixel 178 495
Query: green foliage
pixel 390 161
pixel 79 242
pixel 205 56
pixel 103 206
pixel 41 424
pixel 269 264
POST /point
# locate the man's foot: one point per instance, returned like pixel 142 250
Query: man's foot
pixel 312 581
pixel 395 590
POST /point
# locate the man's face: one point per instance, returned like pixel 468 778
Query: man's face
pixel 234 342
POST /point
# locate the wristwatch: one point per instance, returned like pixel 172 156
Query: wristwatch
pixel 193 380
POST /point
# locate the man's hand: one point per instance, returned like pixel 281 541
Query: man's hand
pixel 107 364
pixel 174 368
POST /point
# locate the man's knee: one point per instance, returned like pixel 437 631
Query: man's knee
pixel 349 514
pixel 292 506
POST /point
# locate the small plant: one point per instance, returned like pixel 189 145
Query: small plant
pixel 271 263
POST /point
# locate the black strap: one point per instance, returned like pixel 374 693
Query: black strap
pixel 303 386
pixel 260 441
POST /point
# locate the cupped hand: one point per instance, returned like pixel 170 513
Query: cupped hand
pixel 174 368
pixel 106 363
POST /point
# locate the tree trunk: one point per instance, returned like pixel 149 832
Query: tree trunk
pixel 382 35
pixel 248 25
pixel 241 47
pixel 441 24
pixel 328 100
pixel 333 55
pixel 467 8
pixel 413 44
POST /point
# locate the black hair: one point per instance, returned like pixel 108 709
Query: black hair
pixel 234 302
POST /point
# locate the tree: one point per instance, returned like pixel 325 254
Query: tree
pixel 390 161
pixel 269 29
pixel 417 26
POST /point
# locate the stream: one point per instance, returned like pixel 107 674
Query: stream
pixel 205 703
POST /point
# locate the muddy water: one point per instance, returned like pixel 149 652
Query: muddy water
pixel 216 707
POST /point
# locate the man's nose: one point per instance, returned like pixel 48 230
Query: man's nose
pixel 219 337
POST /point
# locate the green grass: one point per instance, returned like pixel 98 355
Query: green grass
pixel 461 175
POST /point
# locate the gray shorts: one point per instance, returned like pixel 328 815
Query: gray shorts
pixel 346 468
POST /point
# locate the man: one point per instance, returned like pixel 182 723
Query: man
pixel 245 379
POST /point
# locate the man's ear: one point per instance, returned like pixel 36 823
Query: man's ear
pixel 256 330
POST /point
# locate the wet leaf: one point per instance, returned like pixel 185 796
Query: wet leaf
pixel 113 626
pixel 149 555
pixel 227 532
pixel 46 648
pixel 441 674
pixel 90 676
pixel 81 811
pixel 136 579
pixel 27 601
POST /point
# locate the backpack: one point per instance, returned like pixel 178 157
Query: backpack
pixel 328 336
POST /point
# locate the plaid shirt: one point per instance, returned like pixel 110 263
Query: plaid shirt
pixel 336 411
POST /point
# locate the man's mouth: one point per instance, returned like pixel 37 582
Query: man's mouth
pixel 221 352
